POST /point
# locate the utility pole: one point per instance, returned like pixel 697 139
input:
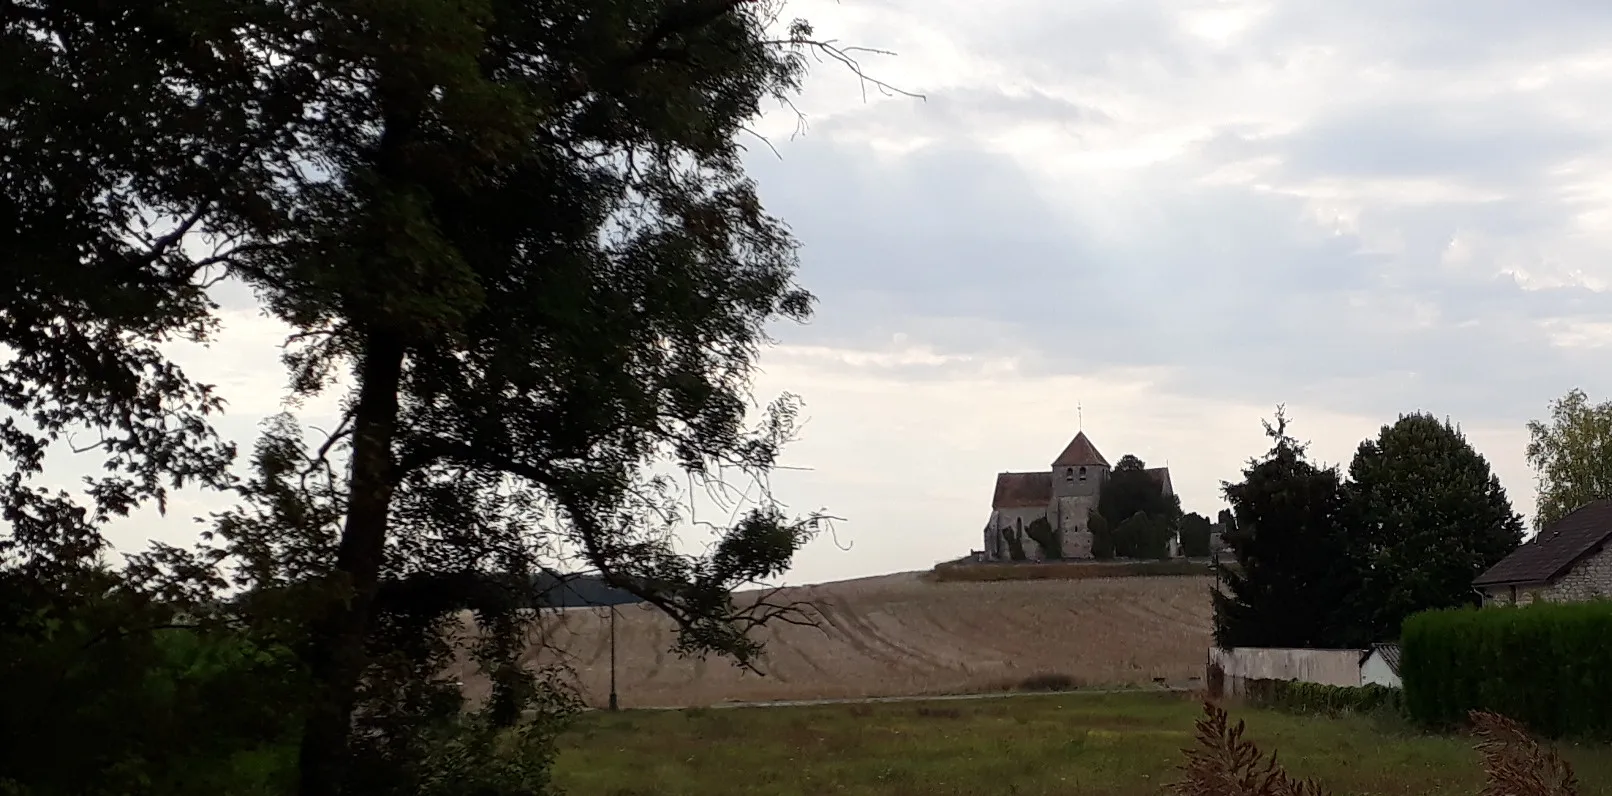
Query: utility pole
pixel 614 705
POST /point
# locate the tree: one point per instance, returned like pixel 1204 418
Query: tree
pixel 1048 539
pixel 1294 561
pixel 1142 536
pixel 1571 456
pixel 1195 530
pixel 1102 537
pixel 1427 516
pixel 523 231
pixel 1128 491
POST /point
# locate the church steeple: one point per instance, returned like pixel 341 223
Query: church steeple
pixel 1080 453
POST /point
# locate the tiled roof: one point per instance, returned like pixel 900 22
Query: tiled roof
pixel 1554 551
pixel 1390 655
pixel 1022 490
pixel 1162 475
pixel 1080 453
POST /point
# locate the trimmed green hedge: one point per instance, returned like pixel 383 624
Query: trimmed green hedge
pixel 1547 665
pixel 1317 699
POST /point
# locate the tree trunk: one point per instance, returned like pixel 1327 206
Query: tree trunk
pixel 336 656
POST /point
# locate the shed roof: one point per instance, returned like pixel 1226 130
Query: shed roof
pixel 1389 653
pixel 1553 551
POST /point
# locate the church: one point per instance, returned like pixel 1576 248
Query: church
pixel 1064 496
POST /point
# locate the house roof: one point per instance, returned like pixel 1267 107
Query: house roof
pixel 1162 475
pixel 1080 453
pixel 1554 550
pixel 1022 490
pixel 1389 653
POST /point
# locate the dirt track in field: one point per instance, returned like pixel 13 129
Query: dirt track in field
pixel 900 635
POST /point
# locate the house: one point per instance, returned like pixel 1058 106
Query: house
pixel 1381 666
pixel 1064 496
pixel 1568 561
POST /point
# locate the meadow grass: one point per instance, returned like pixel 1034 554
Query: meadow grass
pixel 1063 744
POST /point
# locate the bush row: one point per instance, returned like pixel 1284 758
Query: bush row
pixel 1547 665
pixel 1318 699
pixel 1067 570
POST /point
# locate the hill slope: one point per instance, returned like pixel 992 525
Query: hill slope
pixel 898 635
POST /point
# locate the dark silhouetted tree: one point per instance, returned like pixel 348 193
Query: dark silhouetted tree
pixel 1427 516
pixel 1295 570
pixel 1129 490
pixel 516 238
pixel 1102 537
pixel 1045 537
pixel 1194 533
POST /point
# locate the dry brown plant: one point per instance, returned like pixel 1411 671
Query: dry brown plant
pixel 1224 763
pixel 1515 764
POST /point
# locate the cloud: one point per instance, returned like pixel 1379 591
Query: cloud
pixel 1177 213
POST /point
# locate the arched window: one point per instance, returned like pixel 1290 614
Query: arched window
pixel 1082 473
pixel 1069 474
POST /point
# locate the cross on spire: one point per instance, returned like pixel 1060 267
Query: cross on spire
pixel 1080 417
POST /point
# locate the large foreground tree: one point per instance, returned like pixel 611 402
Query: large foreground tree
pixel 1427 517
pixel 1571 455
pixel 1295 567
pixel 518 237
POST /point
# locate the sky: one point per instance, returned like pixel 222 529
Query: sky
pixel 1155 220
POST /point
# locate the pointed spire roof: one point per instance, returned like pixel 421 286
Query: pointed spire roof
pixel 1080 453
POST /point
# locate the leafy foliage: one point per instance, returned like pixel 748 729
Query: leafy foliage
pixel 1102 537
pixel 1014 538
pixel 1142 518
pixel 1571 456
pixel 1294 696
pixel 517 236
pixel 1294 558
pixel 1049 540
pixel 1142 536
pixel 1427 516
pixel 1195 532
pixel 1546 665
pixel 109 692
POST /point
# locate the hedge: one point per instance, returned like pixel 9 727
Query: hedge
pixel 1547 665
pixel 1317 699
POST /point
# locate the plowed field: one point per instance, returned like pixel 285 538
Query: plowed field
pixel 899 635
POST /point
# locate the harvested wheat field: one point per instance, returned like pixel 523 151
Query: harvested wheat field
pixel 902 635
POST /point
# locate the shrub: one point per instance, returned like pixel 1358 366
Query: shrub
pixel 1326 700
pixel 1051 541
pixel 1049 681
pixel 1068 570
pixel 1547 665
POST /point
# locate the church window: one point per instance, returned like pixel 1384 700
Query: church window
pixel 1082 473
pixel 1069 474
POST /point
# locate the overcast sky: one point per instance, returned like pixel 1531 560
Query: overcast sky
pixel 1173 214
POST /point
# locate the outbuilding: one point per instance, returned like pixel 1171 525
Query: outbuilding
pixel 1381 666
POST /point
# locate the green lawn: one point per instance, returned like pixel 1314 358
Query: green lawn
pixel 1062 744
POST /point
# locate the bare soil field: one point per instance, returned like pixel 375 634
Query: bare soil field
pixel 903 635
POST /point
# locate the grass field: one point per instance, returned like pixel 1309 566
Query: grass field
pixel 904 635
pixel 1063 744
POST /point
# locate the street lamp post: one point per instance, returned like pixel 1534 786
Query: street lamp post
pixel 614 705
